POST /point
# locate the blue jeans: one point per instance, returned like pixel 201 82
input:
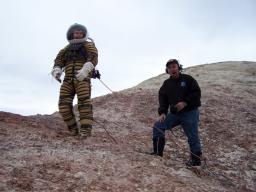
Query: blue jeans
pixel 189 122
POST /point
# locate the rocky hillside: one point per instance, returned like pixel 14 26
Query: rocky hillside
pixel 38 154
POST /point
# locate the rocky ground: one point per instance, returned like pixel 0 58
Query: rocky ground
pixel 38 154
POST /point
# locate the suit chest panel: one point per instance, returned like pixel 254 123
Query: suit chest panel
pixel 74 55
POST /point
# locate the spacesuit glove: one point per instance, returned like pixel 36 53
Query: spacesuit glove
pixel 85 71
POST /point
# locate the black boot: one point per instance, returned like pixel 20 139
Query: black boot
pixel 158 146
pixel 154 147
pixel 195 159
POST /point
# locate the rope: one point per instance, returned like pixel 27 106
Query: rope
pixel 108 133
pixel 106 86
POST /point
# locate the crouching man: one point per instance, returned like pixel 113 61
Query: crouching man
pixel 181 93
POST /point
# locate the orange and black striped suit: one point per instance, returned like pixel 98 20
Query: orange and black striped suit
pixel 71 59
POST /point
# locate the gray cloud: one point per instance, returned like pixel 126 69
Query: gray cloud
pixel 134 38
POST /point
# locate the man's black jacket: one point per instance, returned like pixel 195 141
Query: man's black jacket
pixel 185 88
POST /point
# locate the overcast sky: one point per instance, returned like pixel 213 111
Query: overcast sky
pixel 134 38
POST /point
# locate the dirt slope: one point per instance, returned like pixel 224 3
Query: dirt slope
pixel 37 153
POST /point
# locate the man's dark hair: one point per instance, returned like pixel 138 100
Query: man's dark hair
pixel 172 61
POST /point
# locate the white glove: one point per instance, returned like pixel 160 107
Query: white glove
pixel 85 71
pixel 56 73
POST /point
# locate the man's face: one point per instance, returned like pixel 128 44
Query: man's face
pixel 78 34
pixel 173 70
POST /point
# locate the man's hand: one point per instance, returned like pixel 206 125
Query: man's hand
pixel 180 105
pixel 162 117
